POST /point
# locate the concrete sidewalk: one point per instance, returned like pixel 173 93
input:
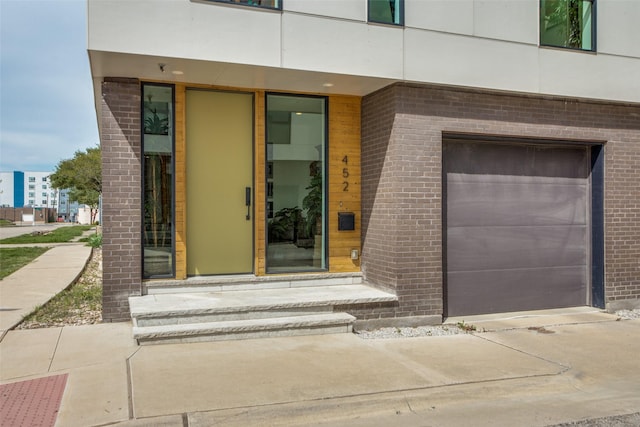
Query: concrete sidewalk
pixel 567 367
pixel 39 281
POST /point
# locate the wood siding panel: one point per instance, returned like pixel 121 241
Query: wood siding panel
pixel 181 184
pixel 344 140
pixel 259 186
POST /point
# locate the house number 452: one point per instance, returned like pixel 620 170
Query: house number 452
pixel 345 173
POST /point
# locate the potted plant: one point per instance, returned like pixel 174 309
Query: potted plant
pixel 312 202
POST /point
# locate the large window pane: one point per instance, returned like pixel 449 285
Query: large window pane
pixel 158 181
pixel 386 11
pixel 295 183
pixel 567 23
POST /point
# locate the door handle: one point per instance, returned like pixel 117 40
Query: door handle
pixel 247 201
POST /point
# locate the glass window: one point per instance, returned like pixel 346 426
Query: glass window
pixel 158 188
pixel 295 183
pixel 32 202
pixel 32 179
pixel 44 179
pixel 568 23
pixel 44 194
pixel 386 11
pixel 32 194
pixel 32 187
pixel 44 202
pixel 270 4
pixel 44 187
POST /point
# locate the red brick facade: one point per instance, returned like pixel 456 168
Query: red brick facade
pixel 402 132
pixel 121 196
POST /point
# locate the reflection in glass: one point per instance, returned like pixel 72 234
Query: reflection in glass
pixel 158 180
pixel 386 11
pixel 567 23
pixel 295 183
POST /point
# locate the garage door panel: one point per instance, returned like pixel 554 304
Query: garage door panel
pixel 494 248
pixel 513 203
pixel 516 160
pixel 517 226
pixel 514 290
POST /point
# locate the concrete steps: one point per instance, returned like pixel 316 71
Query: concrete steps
pixel 248 313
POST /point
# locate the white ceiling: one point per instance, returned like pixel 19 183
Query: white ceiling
pixel 109 64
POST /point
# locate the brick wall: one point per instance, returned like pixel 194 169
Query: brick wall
pixel 402 128
pixel 121 197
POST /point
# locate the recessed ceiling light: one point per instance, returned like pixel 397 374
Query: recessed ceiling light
pixel 327 84
pixel 298 113
pixel 177 72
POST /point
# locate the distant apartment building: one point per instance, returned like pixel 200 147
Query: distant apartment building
pixel 12 189
pixel 30 188
pixel 33 189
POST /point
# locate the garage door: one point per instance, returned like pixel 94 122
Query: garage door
pixel 516 227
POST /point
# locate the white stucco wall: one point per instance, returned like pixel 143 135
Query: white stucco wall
pixel 489 44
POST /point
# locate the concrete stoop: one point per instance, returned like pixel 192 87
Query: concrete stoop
pixel 248 313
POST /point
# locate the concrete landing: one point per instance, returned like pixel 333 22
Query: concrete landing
pixel 253 300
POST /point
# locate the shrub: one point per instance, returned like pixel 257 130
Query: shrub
pixel 95 240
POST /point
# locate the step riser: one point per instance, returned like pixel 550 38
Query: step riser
pixel 178 319
pixel 320 330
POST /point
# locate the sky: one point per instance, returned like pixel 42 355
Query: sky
pixel 46 95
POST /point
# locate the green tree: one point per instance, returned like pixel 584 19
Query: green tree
pixel 82 175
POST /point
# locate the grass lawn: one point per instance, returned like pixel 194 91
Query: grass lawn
pixel 12 259
pixel 6 223
pixel 59 235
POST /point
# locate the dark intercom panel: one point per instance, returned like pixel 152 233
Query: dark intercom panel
pixel 346 221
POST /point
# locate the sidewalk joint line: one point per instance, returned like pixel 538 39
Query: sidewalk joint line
pixel 130 384
pixel 378 393
pixel 55 349
pixel 565 368
pixel 406 400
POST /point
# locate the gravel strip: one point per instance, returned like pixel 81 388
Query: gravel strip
pixel 628 314
pixel 444 330
pixel 420 331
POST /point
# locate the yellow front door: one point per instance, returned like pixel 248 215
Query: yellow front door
pixel 219 169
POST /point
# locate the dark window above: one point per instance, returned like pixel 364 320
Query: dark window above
pixel 568 23
pixel 268 4
pixel 386 11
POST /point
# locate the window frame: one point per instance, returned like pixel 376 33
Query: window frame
pixel 172 126
pixel 255 6
pixel 594 29
pixel 401 12
pixel 268 174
